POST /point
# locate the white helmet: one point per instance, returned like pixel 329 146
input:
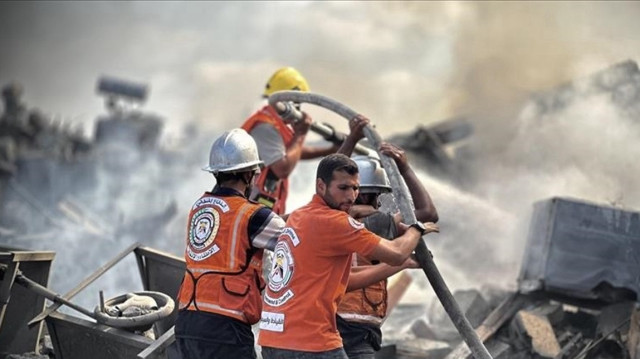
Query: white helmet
pixel 373 178
pixel 235 150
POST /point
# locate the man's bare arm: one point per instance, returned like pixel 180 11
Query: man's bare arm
pixel 356 127
pixel 397 251
pixel 316 152
pixel 293 153
pixel 364 276
pixel 425 210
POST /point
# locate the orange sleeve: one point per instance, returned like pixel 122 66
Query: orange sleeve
pixel 346 235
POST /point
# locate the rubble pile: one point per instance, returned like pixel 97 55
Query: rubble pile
pixel 534 326
pixel 577 296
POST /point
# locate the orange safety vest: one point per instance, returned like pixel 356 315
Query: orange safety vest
pixel 270 190
pixel 366 305
pixel 223 273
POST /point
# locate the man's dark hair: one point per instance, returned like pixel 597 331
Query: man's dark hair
pixel 335 162
pixel 222 177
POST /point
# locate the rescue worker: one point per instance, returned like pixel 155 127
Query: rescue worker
pixel 361 312
pixel 219 298
pixel 311 274
pixel 280 143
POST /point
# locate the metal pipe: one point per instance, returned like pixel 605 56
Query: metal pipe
pixel 404 201
pixel 53 296
pixel 287 111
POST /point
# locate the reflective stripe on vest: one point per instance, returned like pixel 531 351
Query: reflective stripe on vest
pixel 270 190
pixel 223 283
pixel 361 318
pixel 234 239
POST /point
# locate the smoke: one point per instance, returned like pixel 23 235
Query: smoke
pixel 403 64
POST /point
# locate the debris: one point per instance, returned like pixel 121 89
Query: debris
pixel 421 348
pixel 135 305
pixel 531 326
pixel 472 304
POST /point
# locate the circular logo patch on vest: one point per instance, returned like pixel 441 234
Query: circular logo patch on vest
pixel 281 267
pixel 203 230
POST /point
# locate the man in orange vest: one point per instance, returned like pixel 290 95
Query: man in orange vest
pixel 280 144
pixel 219 298
pixel 312 262
pixel 361 312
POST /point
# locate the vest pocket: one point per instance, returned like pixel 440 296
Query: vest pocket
pixel 235 286
pixel 241 293
pixel 375 298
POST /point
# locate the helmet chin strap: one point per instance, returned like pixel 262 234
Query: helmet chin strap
pixel 248 182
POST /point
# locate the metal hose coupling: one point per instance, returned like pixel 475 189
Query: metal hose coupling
pixel 288 111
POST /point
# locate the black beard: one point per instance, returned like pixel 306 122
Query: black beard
pixel 331 203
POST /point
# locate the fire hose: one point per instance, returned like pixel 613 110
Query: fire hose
pixel 285 109
pixel 280 101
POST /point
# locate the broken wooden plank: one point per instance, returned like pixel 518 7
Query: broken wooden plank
pixel 492 323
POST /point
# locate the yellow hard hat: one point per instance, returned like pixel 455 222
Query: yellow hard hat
pixel 286 78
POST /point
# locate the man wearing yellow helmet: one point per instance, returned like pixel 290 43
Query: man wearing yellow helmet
pixel 280 144
pixel 285 79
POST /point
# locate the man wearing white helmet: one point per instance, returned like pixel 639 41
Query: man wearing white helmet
pixel 219 298
pixel 280 144
pixel 362 311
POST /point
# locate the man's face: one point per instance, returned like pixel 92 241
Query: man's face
pixel 341 192
pixel 370 199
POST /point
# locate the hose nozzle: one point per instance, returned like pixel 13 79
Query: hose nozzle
pixel 288 111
